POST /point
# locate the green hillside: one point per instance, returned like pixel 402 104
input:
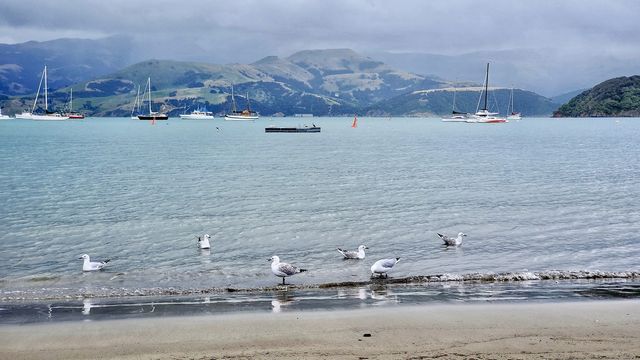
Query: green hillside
pixel 615 97
pixel 322 82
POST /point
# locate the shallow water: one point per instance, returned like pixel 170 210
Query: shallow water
pixel 534 195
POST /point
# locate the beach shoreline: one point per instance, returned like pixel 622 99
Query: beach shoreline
pixel 576 330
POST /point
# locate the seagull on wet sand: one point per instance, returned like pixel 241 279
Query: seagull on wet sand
pixel 203 242
pixel 381 267
pixel 282 269
pixel 359 254
pixel 449 241
pixel 89 265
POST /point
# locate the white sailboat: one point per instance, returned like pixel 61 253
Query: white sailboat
pixel 513 115
pixel 135 109
pixel 244 115
pixel 484 115
pixel 456 116
pixel 48 115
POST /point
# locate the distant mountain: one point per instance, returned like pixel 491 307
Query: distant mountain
pixel 564 98
pixel 615 97
pixel 437 102
pixel 322 82
pixel 547 72
pixel 68 60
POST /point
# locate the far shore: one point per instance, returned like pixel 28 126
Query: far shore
pixel 567 330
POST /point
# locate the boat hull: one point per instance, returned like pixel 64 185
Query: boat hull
pixel 196 117
pixel 241 117
pixel 153 117
pixel 488 121
pixel 315 129
pixel 455 119
pixel 49 117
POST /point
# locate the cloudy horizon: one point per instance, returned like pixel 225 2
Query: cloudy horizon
pixel 547 46
pixel 241 31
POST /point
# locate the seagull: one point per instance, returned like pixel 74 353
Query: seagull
pixel 203 242
pixel 359 255
pixel 449 241
pixel 89 265
pixel 382 266
pixel 282 269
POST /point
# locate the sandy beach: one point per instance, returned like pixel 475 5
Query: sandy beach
pixel 573 330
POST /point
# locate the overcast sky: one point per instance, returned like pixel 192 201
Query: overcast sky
pixel 246 30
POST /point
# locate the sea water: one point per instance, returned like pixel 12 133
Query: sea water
pixel 533 196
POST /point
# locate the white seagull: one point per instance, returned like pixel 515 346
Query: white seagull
pixel 449 241
pixel 282 269
pixel 203 242
pixel 89 265
pixel 359 254
pixel 382 266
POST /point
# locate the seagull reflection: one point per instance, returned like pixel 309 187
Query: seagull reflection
pixel 383 295
pixel 86 306
pixel 359 293
pixel 281 300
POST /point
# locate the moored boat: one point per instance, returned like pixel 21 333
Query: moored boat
pixel 456 116
pixel 152 115
pixel 237 115
pixel 484 115
pixel 198 115
pixel 510 109
pixel 71 114
pixel 47 115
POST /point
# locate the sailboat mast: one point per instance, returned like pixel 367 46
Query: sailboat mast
pixel 486 87
pixel 71 100
pixel 248 105
pixel 45 88
pixel 149 85
pixel 233 102
pixel 35 102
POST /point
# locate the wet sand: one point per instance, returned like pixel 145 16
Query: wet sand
pixel 569 330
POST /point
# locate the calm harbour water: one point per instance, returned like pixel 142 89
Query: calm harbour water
pixel 533 195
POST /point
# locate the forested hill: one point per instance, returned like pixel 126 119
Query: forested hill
pixel 615 97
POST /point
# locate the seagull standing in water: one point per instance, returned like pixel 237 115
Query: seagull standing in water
pixel 359 254
pixel 449 241
pixel 282 269
pixel 203 242
pixel 381 267
pixel 89 265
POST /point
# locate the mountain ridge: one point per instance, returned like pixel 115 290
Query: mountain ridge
pixel 320 81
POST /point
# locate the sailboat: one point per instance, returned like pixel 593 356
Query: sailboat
pixel 512 114
pixel 135 109
pixel 244 115
pixel 484 115
pixel 354 124
pixel 152 115
pixel 456 116
pixel 71 114
pixel 48 115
